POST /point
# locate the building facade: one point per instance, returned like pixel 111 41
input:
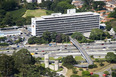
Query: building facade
pixel 65 23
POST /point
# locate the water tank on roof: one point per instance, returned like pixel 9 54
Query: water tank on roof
pixel 71 11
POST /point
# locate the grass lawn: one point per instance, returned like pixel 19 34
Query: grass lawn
pixel 69 72
pixel 52 58
pixel 99 68
pixel 35 13
pixel 77 58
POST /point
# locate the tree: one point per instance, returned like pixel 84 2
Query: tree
pixel 108 26
pixel 6 65
pixel 31 40
pixel 95 75
pixel 47 36
pixel 68 61
pixel 85 73
pixel 31 6
pixel 23 57
pixel 98 5
pixel 59 38
pixel 20 21
pixel 79 37
pixel 9 5
pixel 114 28
pixel 113 14
pixel 63 6
pixel 53 36
pixel 113 74
pixel 110 57
pixel 98 34
pixel 8 20
pixel 106 72
pixel 74 75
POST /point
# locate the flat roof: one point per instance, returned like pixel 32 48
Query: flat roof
pixel 63 15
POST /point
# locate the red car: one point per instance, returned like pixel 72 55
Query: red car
pixel 42 51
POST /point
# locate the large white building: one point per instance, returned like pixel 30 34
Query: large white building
pixel 31 1
pixel 65 23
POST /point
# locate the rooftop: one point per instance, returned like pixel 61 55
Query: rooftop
pixel 63 15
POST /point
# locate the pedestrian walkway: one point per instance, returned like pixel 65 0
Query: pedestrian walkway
pixel 83 52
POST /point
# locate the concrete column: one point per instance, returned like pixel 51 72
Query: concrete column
pixel 56 65
pixel 46 60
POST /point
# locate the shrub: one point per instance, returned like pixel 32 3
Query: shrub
pixel 74 71
pixel 101 64
pixel 74 75
pixel 106 72
pixel 92 66
pixel 81 69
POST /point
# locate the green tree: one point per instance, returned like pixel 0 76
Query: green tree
pixel 9 5
pixel 114 28
pixel 6 65
pixel 74 75
pixel 98 34
pixel 113 14
pixel 108 26
pixel 79 37
pixel 110 57
pixel 53 36
pixel 8 20
pixel 31 6
pixel 106 72
pixel 68 61
pixel 113 74
pixel 23 57
pixel 31 40
pixel 95 75
pixel 63 6
pixel 85 73
pixel 47 36
pixel 98 5
pixel 59 38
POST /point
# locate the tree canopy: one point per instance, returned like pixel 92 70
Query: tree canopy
pixel 68 61
pixel 6 65
pixel 23 57
pixel 98 34
pixel 110 57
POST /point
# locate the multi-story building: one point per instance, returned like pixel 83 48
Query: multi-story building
pixel 65 23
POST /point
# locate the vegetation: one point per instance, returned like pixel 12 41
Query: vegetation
pixel 74 75
pixel 80 37
pixel 113 14
pixel 91 4
pixel 68 61
pixel 4 44
pixel 98 34
pixel 98 5
pixel 108 26
pixel 92 66
pixel 22 64
pixel 57 5
pixel 85 73
pixel 110 57
pixel 106 72
pixel 48 37
pixel 35 13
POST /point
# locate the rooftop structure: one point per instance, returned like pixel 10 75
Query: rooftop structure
pixel 65 23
